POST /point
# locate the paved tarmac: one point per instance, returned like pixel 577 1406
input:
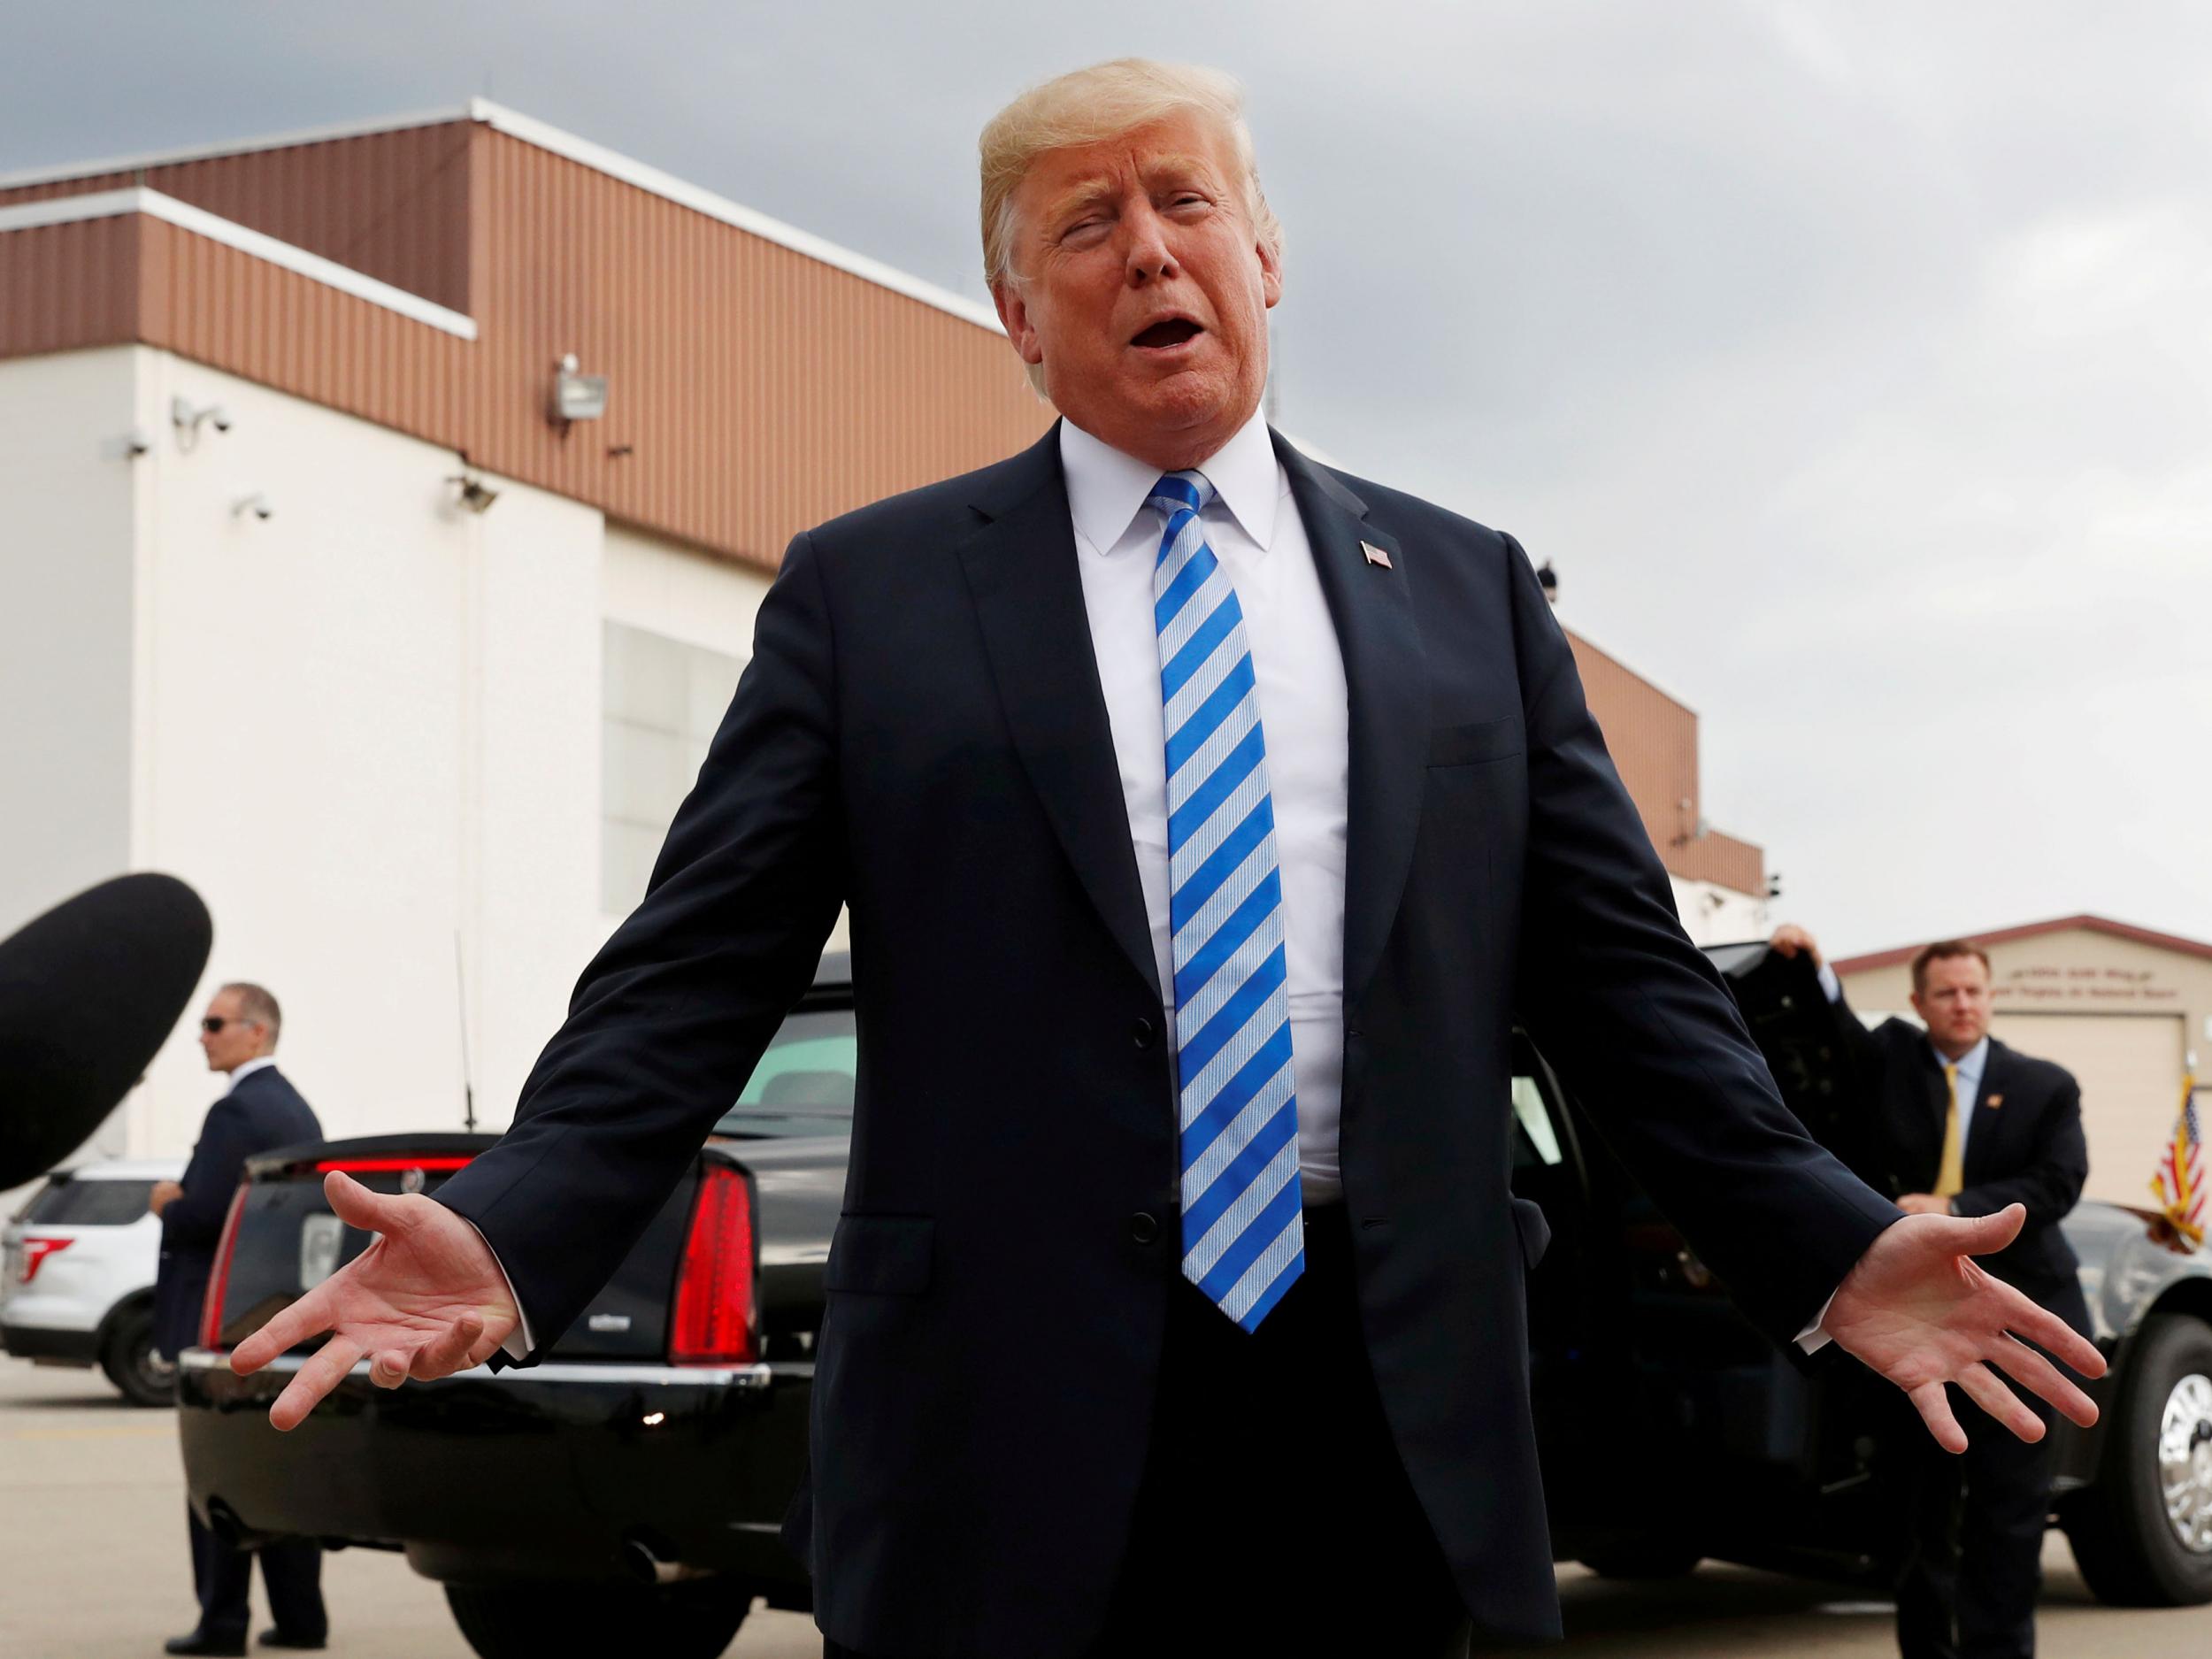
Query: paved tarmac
pixel 93 1566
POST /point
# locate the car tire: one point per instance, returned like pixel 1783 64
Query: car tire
pixel 695 1619
pixel 132 1363
pixel 1646 1558
pixel 2131 1551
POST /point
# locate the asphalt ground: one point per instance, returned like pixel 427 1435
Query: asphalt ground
pixel 93 1565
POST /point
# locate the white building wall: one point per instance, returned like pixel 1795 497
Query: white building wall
pixel 67 497
pixel 366 728
pixel 661 585
pixel 366 735
pixel 1714 915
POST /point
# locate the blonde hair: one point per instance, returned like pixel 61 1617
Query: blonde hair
pixel 1091 105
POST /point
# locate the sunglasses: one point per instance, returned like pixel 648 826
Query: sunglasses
pixel 214 1023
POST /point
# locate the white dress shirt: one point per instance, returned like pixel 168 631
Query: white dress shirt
pixel 1252 526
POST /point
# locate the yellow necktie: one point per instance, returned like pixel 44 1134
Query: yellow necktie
pixel 1951 1173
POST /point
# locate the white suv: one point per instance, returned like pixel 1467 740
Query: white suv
pixel 77 1275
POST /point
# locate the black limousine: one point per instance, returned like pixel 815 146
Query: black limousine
pixel 630 1488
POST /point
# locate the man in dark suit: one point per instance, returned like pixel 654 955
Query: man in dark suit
pixel 1965 1126
pixel 259 1110
pixel 1178 1303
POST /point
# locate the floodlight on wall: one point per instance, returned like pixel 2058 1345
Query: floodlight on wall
pixel 187 419
pixel 576 397
pixel 476 494
pixel 259 505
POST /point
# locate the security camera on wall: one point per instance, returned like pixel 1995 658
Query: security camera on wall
pixel 188 419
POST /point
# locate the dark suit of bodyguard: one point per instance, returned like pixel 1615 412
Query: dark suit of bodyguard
pixel 261 1112
pixel 1974 1525
pixel 2023 1145
pixel 258 1112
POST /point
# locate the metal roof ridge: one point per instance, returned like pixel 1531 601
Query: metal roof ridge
pixel 544 135
pixel 139 198
pixel 654 180
pixel 2087 920
pixel 64 171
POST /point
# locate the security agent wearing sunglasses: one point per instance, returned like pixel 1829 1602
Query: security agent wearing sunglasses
pixel 258 1110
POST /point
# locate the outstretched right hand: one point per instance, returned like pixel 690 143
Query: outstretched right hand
pixel 424 1300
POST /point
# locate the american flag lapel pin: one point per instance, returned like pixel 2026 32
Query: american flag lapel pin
pixel 1375 555
pixel 1995 1101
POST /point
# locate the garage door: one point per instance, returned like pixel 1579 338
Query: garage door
pixel 2129 1069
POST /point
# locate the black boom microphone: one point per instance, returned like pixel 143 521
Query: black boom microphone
pixel 89 992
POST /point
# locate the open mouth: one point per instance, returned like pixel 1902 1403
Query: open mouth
pixel 1174 331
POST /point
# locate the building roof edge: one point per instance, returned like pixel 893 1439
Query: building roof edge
pixel 2030 930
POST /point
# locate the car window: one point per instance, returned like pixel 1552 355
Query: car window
pixel 803 1084
pixel 1534 1140
pixel 73 1204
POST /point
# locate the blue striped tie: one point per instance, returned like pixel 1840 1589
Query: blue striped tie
pixel 1243 1232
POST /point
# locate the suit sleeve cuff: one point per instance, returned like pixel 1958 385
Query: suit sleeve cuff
pixel 1814 1337
pixel 519 1343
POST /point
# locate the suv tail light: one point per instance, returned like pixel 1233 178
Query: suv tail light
pixel 218 1280
pixel 36 1250
pixel 713 1324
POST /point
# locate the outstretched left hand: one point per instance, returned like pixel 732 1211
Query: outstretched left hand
pixel 1918 1310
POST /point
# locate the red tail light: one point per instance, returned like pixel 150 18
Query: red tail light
pixel 36 1250
pixel 713 1324
pixel 218 1280
pixel 386 1166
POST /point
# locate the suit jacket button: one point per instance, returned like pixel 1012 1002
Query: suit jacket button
pixel 1142 1032
pixel 1144 1226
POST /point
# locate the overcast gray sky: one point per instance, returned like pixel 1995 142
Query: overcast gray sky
pixel 1850 361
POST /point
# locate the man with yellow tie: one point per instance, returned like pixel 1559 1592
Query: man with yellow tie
pixel 1964 1126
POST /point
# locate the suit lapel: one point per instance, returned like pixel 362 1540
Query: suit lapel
pixel 1387 690
pixel 1988 1120
pixel 1028 595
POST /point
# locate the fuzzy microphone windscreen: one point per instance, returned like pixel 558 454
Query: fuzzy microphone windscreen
pixel 89 992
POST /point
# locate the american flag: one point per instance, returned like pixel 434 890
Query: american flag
pixel 2179 1183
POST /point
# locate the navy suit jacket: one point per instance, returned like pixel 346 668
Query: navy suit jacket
pixel 262 1113
pixel 921 735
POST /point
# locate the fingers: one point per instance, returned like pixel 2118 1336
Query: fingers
pixel 451 1350
pixel 2047 1330
pixel 2039 1376
pixel 316 1378
pixel 358 1207
pixel 1988 1234
pixel 310 1315
pixel 1935 1410
pixel 1984 1388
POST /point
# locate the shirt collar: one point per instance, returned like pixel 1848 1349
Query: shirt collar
pixel 1970 1064
pixel 259 1063
pixel 1107 490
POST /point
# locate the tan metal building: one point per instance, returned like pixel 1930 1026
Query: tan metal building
pixel 428 275
pixel 2120 1007
pixel 1720 883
